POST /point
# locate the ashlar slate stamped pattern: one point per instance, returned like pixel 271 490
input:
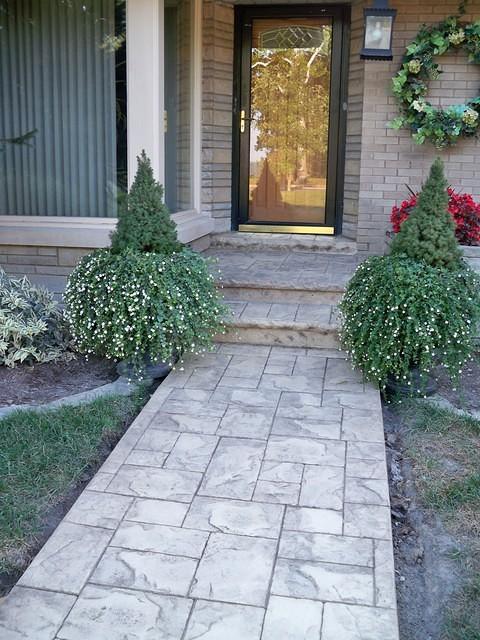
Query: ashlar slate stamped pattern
pixel 248 501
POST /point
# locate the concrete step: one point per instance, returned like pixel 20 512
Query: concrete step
pixel 281 323
pixel 282 297
pixel 257 292
pixel 282 242
pixel 282 276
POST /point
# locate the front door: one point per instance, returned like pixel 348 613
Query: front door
pixel 288 118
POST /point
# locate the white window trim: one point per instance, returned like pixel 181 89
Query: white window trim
pixel 87 233
pixel 145 131
pixel 145 127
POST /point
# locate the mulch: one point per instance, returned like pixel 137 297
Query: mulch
pixel 43 383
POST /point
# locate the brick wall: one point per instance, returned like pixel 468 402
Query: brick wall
pixel 50 266
pixel 390 159
pixel 217 85
pixel 354 124
pixel 47 266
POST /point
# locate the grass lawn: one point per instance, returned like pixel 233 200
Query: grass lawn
pixel 43 456
pixel 445 452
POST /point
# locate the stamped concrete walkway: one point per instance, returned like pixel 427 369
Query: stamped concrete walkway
pixel 248 501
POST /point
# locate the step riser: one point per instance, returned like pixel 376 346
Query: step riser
pixel 283 242
pixel 295 296
pixel 282 337
pixel 347 251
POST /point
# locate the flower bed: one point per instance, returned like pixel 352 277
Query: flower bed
pixel 463 209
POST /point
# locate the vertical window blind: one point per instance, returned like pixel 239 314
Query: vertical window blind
pixel 58 107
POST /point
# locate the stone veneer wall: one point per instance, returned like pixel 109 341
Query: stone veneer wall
pixel 353 148
pixel 50 266
pixel 47 266
pixel 217 84
pixel 390 159
pixel 218 28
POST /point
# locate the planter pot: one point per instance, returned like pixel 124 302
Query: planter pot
pixel 396 388
pixel 151 369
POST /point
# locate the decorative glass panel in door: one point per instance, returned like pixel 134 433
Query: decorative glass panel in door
pixel 290 113
pixel 290 103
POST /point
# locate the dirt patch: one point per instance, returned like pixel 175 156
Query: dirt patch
pixel 466 394
pixel 425 569
pixel 50 381
pixel 432 457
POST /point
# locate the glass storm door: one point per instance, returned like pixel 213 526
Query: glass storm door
pixel 287 117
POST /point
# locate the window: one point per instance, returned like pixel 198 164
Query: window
pixel 63 99
pixel 178 104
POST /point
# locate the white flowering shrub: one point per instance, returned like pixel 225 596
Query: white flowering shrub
pixel 132 305
pixel 399 315
pixel 32 327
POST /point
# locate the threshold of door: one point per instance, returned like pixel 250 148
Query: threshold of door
pixel 285 228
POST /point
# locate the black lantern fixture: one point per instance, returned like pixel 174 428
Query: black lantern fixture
pixel 377 39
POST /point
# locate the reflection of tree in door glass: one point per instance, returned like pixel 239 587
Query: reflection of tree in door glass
pixel 290 95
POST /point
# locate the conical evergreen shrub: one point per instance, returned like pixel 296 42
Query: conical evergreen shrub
pixel 428 235
pixel 144 224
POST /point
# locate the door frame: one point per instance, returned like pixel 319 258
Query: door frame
pixel 337 115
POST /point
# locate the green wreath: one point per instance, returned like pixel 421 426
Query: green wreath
pixel 443 127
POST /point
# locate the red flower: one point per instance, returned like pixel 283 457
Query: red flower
pixel 464 210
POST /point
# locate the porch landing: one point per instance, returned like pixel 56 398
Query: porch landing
pixel 249 500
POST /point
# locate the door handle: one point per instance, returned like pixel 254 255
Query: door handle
pixel 243 120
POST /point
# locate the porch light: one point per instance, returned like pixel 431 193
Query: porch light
pixel 377 39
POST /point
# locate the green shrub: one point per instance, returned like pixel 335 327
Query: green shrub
pixel 428 235
pixel 144 223
pixel 399 314
pixel 131 305
pixel 32 327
